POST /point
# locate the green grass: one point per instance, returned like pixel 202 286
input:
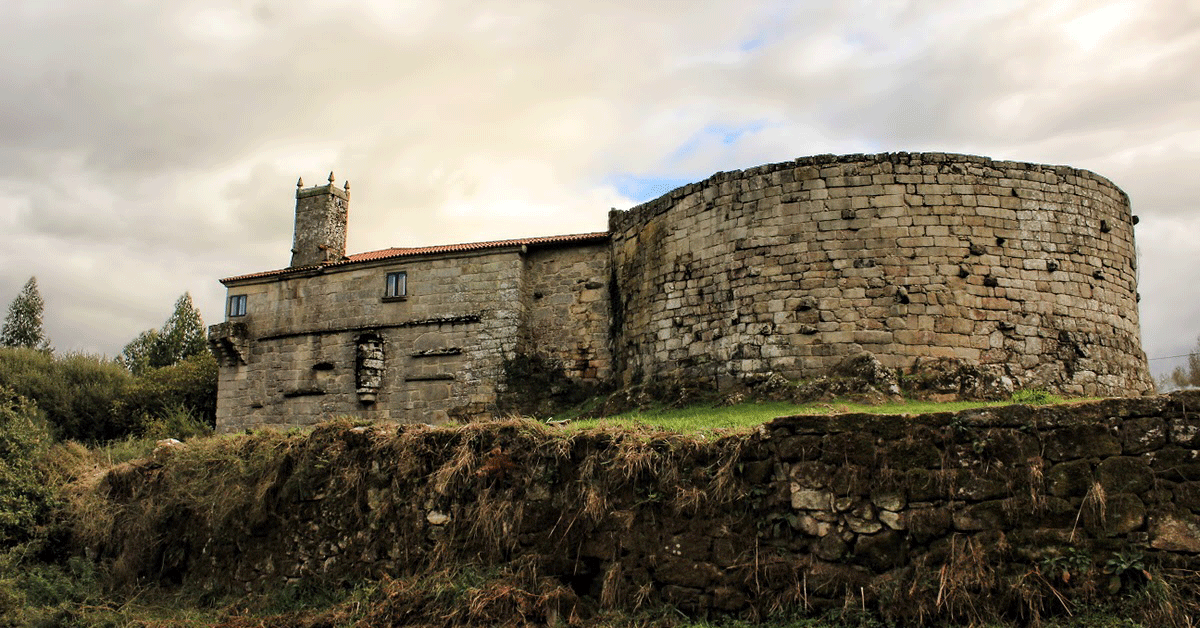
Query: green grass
pixel 745 416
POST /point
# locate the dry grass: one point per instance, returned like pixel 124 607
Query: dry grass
pixel 1095 503
pixel 131 514
pixel 386 479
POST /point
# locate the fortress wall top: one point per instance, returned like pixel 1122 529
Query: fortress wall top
pixel 788 268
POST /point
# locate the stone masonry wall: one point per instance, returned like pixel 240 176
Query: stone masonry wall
pixel 566 292
pixel 443 345
pixel 1012 511
pixel 320 232
pixel 782 269
pixel 791 267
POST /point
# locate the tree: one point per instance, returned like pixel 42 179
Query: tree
pixel 1188 377
pixel 181 337
pixel 23 325
pixel 140 355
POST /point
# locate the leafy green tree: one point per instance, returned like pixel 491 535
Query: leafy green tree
pixel 180 338
pixel 142 353
pixel 1188 377
pixel 23 325
pixel 184 334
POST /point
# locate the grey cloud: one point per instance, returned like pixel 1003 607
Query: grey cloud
pixel 159 143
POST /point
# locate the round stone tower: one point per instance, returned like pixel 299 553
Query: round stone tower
pixel 789 268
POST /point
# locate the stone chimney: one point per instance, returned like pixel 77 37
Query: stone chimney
pixel 320 223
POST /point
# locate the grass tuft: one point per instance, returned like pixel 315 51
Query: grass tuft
pixel 1035 397
pixel 720 421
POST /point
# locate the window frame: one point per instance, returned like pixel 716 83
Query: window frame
pixel 395 285
pixel 235 306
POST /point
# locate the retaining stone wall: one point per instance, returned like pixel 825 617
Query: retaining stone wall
pixel 982 510
pixel 791 267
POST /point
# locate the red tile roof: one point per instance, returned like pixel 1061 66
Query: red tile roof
pixel 578 238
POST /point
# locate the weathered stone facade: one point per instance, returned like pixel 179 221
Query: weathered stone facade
pixel 788 268
pixel 323 338
pixel 782 269
pixel 436 352
pixel 565 295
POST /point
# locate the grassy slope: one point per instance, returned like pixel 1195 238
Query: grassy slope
pixel 745 416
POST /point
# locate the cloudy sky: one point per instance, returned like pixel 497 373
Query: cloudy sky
pixel 149 148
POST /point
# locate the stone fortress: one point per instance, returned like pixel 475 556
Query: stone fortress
pixel 785 269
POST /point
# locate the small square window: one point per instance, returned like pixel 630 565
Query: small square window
pixel 237 305
pixel 397 285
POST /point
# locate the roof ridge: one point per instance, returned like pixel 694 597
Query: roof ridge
pixel 394 252
pixel 492 243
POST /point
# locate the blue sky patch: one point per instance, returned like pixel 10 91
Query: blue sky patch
pixel 724 134
pixel 645 188
pixel 753 43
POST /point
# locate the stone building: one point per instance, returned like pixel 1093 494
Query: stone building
pixel 786 268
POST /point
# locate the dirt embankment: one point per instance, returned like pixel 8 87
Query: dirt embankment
pixel 1014 512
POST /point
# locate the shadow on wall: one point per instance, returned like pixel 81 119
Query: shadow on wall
pixel 538 386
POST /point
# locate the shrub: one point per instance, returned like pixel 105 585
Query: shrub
pixel 25 498
pixel 93 400
pixel 178 422
pixel 96 385
pixel 162 395
pixel 76 393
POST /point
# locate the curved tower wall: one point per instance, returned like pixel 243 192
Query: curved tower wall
pixel 789 268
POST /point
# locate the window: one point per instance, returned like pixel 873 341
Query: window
pixel 397 285
pixel 237 305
